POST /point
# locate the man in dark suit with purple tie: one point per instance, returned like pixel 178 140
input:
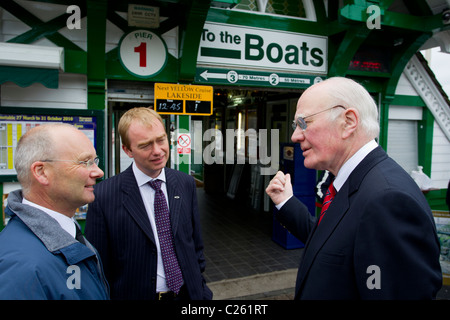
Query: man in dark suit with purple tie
pixel 142 258
pixel 377 238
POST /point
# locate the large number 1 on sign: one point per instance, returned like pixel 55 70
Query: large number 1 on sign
pixel 142 50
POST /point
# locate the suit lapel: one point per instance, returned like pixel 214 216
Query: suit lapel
pixel 174 198
pixel 320 235
pixel 337 210
pixel 134 204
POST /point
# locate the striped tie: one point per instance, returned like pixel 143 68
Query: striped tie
pixel 331 192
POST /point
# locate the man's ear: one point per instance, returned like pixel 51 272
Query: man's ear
pixel 127 151
pixel 351 122
pixel 40 172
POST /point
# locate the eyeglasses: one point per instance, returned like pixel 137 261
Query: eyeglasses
pixel 301 120
pixel 87 163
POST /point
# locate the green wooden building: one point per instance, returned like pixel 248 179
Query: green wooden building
pixel 87 61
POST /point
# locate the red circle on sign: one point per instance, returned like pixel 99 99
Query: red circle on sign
pixel 184 140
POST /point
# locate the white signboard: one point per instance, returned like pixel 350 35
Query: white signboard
pixel 230 45
pixel 143 16
pixel 184 143
pixel 142 53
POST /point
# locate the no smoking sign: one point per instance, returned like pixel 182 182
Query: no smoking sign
pixel 184 143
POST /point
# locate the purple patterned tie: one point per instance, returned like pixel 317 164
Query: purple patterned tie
pixel 172 269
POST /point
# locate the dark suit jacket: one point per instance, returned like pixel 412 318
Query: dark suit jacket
pixel 117 225
pixel 379 218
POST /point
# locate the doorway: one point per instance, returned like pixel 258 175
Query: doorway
pixel 246 112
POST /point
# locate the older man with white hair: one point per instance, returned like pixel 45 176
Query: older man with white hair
pixel 375 237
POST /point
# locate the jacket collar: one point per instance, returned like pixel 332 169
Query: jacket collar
pixel 340 203
pixel 134 204
pixel 174 196
pixel 47 229
pixel 350 165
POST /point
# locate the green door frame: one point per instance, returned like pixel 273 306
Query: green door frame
pixel 96 42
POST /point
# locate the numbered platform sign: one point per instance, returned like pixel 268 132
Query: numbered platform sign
pixel 142 53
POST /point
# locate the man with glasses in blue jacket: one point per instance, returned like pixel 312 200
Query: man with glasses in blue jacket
pixel 43 254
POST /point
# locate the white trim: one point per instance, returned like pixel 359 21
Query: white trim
pixel 31 56
pixel 427 90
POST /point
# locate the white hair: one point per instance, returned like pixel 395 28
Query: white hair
pixel 350 94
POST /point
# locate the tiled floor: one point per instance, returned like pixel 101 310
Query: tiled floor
pixel 238 241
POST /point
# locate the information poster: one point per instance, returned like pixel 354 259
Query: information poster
pixel 14 126
pixel 442 220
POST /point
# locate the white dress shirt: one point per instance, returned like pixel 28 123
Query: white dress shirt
pixel 148 196
pixel 351 164
pixel 64 221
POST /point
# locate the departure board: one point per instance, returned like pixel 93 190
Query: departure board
pixel 183 99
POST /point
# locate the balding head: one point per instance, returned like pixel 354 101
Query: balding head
pixel 55 166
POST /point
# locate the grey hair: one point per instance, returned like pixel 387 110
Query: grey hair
pixel 350 94
pixel 37 144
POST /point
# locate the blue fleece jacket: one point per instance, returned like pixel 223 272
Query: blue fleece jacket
pixel 40 260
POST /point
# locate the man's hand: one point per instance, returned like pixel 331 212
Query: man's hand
pixel 280 188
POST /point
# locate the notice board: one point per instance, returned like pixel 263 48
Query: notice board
pixel 15 122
